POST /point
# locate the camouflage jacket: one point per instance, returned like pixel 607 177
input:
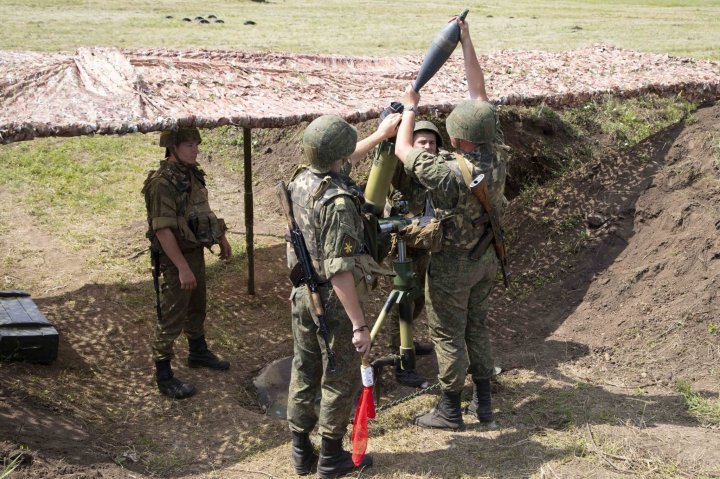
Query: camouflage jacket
pixel 409 195
pixel 461 214
pixel 176 198
pixel 327 211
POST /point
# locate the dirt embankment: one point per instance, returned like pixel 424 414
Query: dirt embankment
pixel 614 269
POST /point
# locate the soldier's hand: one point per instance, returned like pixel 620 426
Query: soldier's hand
pixel 187 279
pixel 464 31
pixel 225 248
pixel 388 127
pixel 410 97
pixel 361 340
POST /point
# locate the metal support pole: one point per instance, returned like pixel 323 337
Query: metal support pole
pixel 247 147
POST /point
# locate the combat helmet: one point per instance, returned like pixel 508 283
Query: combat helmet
pixel 173 138
pixel 429 126
pixel 472 120
pixel 327 139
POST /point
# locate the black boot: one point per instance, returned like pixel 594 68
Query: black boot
pixel 406 375
pixel 168 384
pixel 336 462
pixel 446 415
pixel 423 349
pixel 481 404
pixel 201 357
pixel 410 378
pixel 303 454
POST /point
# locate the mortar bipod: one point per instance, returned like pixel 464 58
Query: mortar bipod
pixel 402 295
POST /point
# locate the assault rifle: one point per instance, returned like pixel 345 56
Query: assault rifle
pixel 155 266
pixel 303 271
pixel 479 188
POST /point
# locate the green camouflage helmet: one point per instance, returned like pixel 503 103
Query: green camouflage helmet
pixel 429 126
pixel 174 138
pixel 327 139
pixel 472 120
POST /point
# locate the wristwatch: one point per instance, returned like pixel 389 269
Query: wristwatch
pixel 411 108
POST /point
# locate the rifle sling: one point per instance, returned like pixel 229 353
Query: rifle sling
pixel 464 169
pixel 484 241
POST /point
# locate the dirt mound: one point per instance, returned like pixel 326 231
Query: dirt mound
pixel 617 260
pixel 649 316
pixel 612 302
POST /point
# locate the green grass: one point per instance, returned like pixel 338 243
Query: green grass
pixel 10 466
pixel 69 184
pixel 705 410
pixel 363 27
pixel 629 121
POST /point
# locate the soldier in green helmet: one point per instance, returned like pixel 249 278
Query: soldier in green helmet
pixel 458 286
pixel 180 226
pixel 410 197
pixel 327 211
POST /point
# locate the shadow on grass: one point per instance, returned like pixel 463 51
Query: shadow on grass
pixel 539 420
pixel 98 401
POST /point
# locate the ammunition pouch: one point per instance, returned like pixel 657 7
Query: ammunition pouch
pixel 208 230
pixel 427 237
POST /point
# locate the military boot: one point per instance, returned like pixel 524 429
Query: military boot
pixel 423 349
pixel 168 384
pixel 335 462
pixel 201 357
pixel 481 404
pixel 446 415
pixel 303 454
pixel 410 378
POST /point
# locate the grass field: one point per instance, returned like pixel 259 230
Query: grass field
pixel 682 28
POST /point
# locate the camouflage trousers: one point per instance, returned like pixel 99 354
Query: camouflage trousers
pixel 391 326
pixel 182 310
pixel 309 378
pixel 457 292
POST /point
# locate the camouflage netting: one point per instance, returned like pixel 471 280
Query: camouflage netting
pixel 111 91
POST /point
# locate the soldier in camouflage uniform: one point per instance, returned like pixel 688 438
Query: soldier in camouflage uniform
pixel 181 224
pixel 458 286
pixel 327 212
pixel 411 197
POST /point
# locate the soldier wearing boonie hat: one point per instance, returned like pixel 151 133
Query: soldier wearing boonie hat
pixel 180 225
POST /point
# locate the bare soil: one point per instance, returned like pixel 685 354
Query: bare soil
pixel 614 268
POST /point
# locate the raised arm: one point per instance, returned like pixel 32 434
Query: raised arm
pixel 473 70
pixel 386 130
pixel 403 142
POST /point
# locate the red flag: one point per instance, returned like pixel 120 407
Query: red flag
pixel 364 411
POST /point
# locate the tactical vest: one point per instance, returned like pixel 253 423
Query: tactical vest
pixel 197 225
pixel 464 224
pixel 309 193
